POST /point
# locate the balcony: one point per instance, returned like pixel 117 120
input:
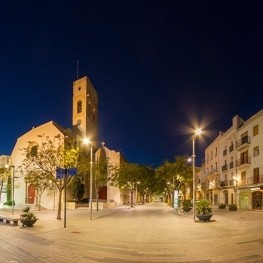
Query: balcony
pixel 252 180
pixel 212 171
pixel 243 143
pixel 224 168
pixel 243 162
pixel 223 183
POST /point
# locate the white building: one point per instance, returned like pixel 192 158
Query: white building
pixel 233 164
pixel 85 118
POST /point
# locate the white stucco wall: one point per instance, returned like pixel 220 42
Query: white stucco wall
pixel 17 156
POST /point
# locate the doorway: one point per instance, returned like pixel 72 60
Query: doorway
pixel 257 200
pixel 31 194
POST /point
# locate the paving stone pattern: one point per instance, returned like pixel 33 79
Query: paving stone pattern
pixel 147 233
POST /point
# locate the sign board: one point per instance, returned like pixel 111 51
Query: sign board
pixel 72 171
pixel 176 199
pixel 60 172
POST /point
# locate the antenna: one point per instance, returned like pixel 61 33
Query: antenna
pixel 77 69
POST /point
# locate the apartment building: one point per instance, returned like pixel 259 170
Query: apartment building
pixel 234 164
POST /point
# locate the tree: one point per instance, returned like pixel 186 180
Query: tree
pixel 41 161
pixel 132 176
pixel 101 169
pixel 77 188
pixel 172 175
pixel 5 180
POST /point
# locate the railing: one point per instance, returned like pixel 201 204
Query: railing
pixel 231 165
pixel 211 171
pixel 224 167
pixel 231 182
pixel 244 140
pixel 256 179
pixel 244 160
pixel 223 183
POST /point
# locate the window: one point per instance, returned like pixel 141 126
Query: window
pixel 32 149
pixel 243 178
pixel 256 151
pixel 224 152
pixel 79 106
pixel 255 130
pixel 231 148
pixel 256 175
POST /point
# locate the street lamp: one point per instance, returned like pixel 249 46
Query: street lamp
pixel 87 141
pixel 197 133
pixel 13 184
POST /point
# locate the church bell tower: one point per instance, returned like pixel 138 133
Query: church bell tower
pixel 85 108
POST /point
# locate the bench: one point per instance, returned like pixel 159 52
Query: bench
pixel 8 219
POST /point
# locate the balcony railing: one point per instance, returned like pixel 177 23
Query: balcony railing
pixel 243 142
pixel 224 167
pixel 223 183
pixel 231 165
pixel 212 171
pixel 243 161
pixel 252 180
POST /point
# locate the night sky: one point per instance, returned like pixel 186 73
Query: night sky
pixel 160 68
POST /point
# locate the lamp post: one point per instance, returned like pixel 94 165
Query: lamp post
pixel 87 141
pixel 197 132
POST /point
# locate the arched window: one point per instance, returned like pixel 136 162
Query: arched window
pixel 32 149
pixel 79 106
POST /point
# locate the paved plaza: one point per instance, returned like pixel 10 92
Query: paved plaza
pixel 147 233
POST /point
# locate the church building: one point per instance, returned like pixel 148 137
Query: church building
pixel 84 124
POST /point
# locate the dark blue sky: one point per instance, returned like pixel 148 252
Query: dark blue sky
pixel 159 67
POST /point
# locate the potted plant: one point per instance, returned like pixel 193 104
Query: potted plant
pixel 186 205
pixel 232 207
pixel 221 206
pixel 27 218
pixel 203 210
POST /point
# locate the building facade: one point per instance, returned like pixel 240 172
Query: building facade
pixel 85 121
pixel 233 165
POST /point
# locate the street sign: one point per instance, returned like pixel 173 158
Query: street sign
pixel 72 171
pixel 60 173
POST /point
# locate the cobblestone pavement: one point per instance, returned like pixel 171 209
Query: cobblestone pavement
pixel 146 233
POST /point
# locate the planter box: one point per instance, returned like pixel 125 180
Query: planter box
pixel 187 209
pixel 28 222
pixel 232 208
pixel 204 217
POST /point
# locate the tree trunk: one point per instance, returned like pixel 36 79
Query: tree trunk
pixel 59 203
pixel 97 200
pixel 132 198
